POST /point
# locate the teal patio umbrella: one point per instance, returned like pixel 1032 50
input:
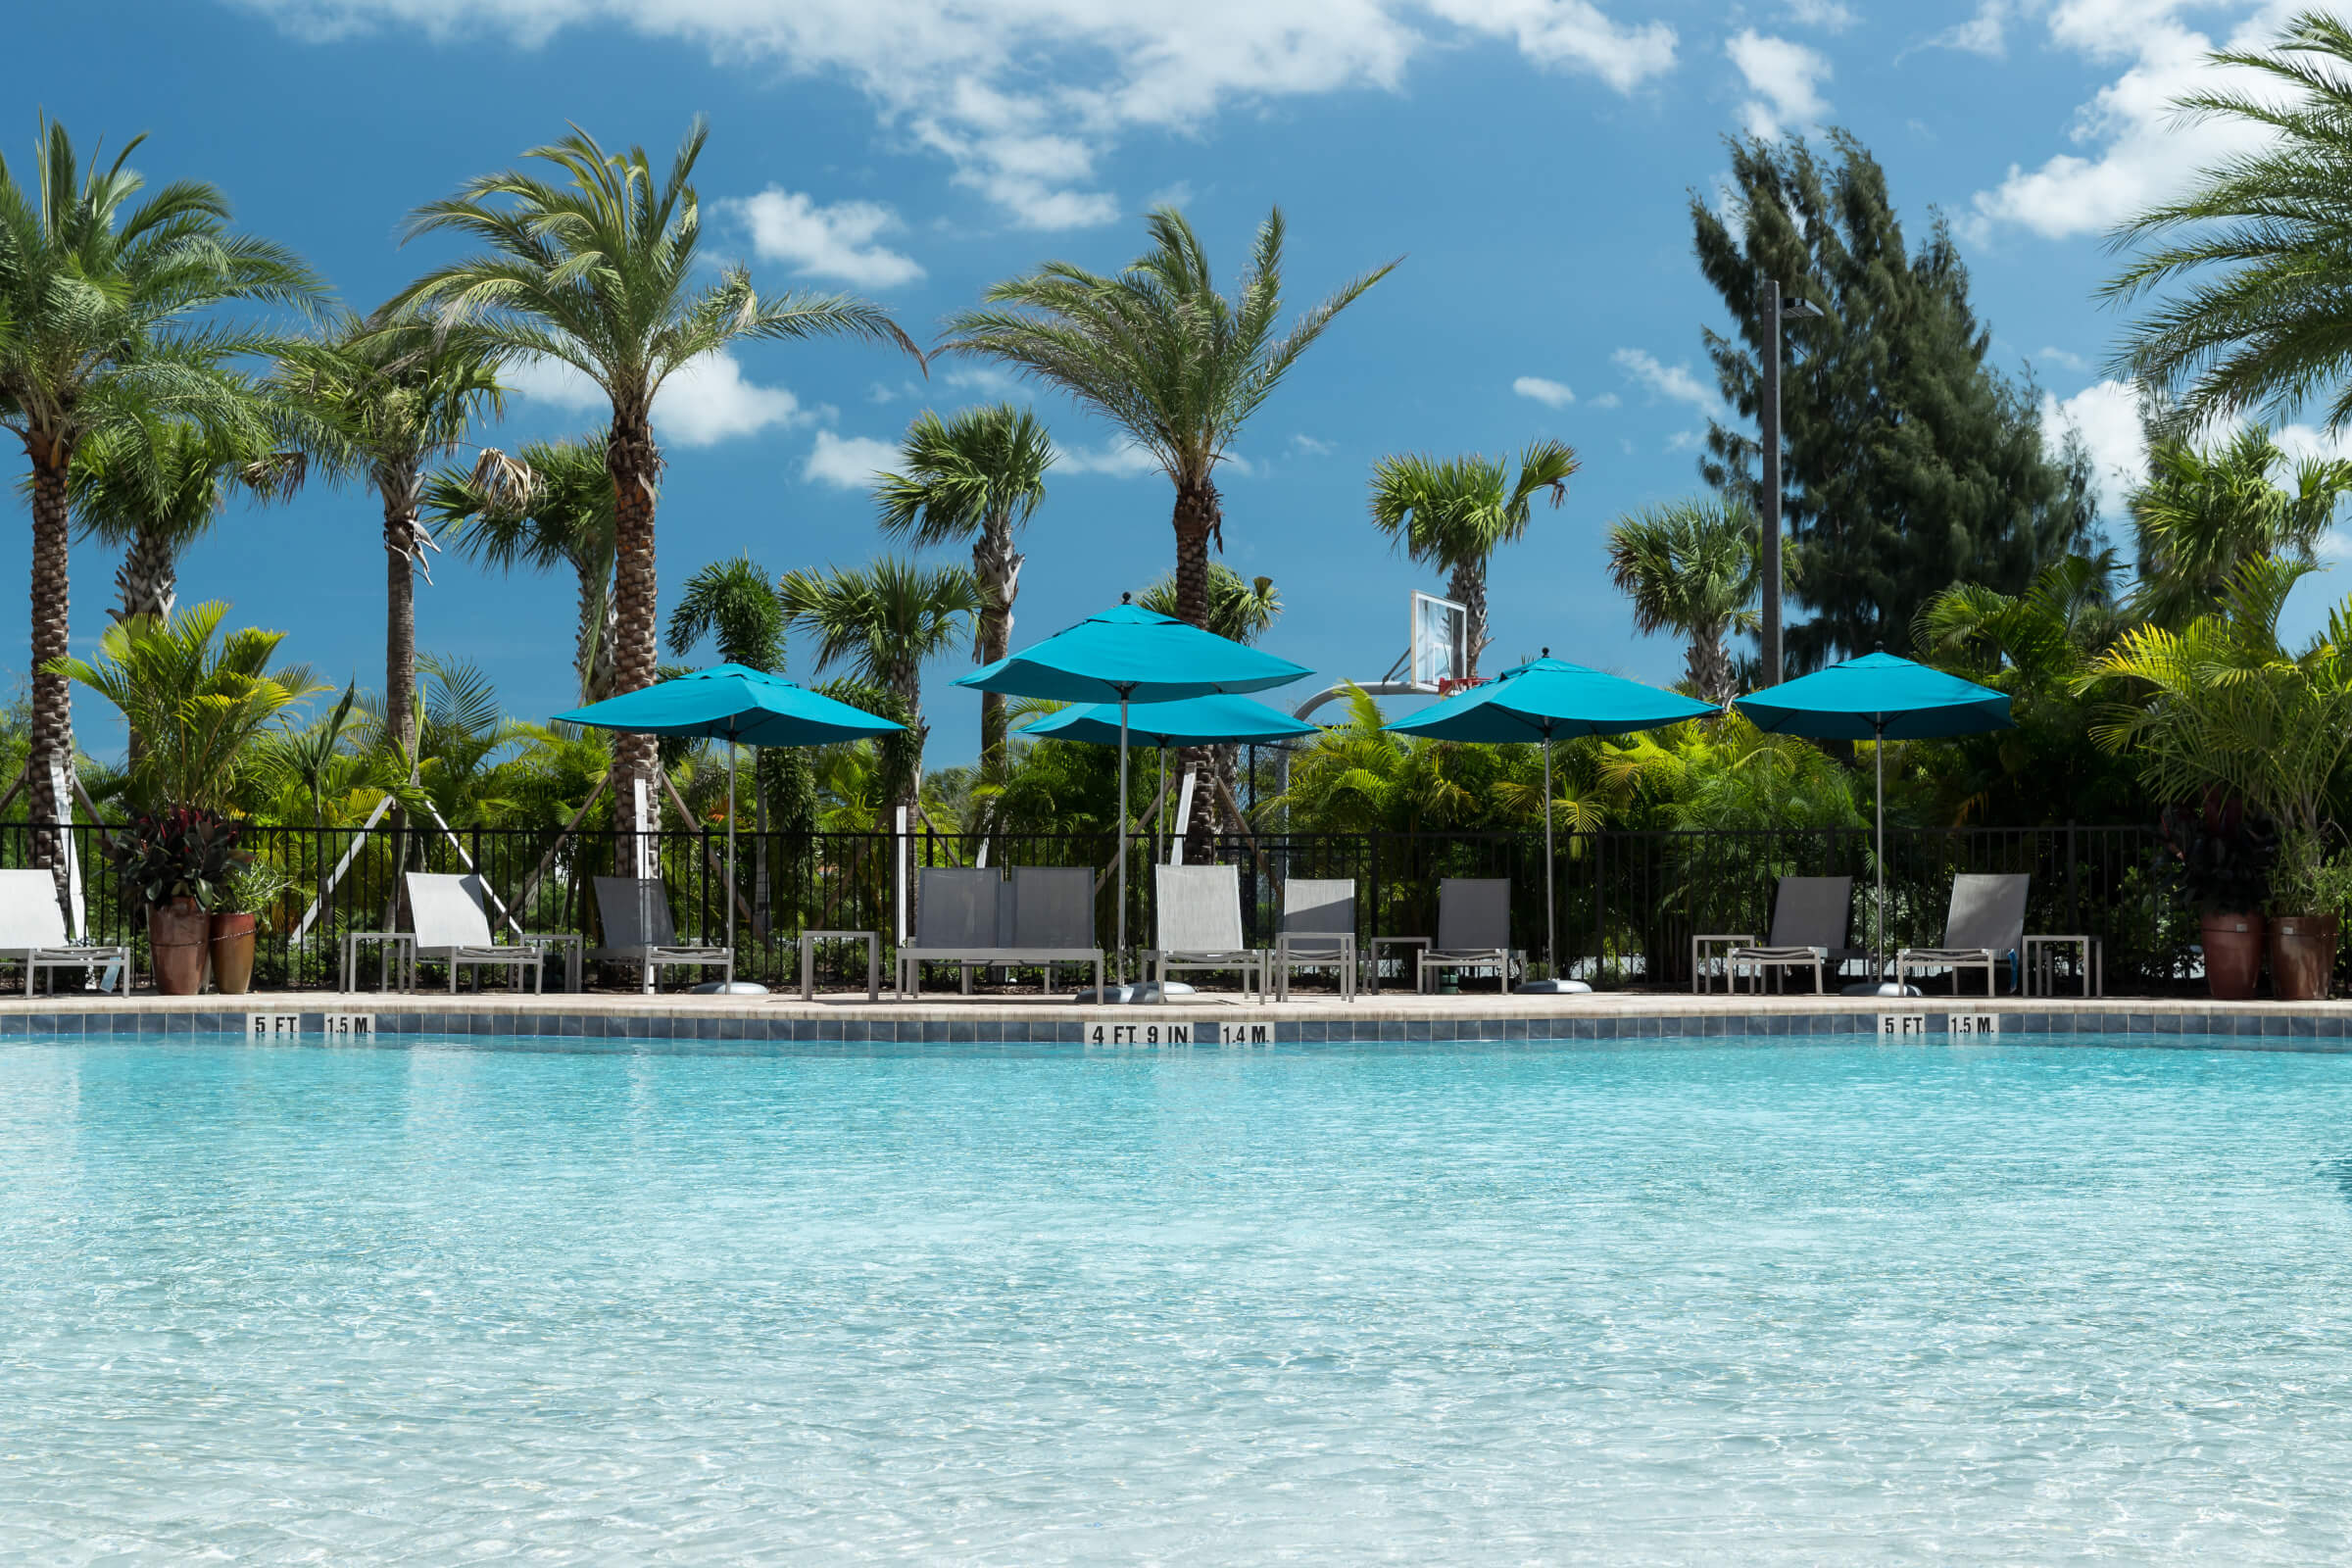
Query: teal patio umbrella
pixel 743 707
pixel 1128 655
pixel 1543 701
pixel 1878 698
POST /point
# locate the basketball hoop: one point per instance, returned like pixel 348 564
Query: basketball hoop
pixel 1451 684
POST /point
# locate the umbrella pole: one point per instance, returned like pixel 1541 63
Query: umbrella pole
pixel 1551 933
pixel 1119 968
pixel 1879 753
pixel 730 843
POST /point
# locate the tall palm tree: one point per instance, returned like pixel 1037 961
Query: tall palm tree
pixel 155 487
pixel 978 474
pixel 883 623
pixel 556 516
pixel 1240 610
pixel 91 289
pixel 2202 513
pixel 389 398
pixel 602 272
pixel 1157 351
pixel 1454 513
pixel 2267 232
pixel 1693 568
pixel 737 606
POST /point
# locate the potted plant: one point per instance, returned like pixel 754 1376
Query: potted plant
pixel 248 906
pixel 2317 891
pixel 173 863
pixel 2218 859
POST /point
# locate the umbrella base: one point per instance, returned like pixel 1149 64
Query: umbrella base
pixel 1880 987
pixel 1553 988
pixel 1142 991
pixel 730 988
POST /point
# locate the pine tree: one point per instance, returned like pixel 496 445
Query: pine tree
pixel 1910 465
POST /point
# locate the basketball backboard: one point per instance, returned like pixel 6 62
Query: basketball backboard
pixel 1440 645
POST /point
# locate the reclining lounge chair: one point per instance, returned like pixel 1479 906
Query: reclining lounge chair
pixel 1985 928
pixel 1198 910
pixel 635 911
pixel 32 933
pixel 1474 930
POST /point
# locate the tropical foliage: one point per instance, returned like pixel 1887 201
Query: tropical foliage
pixel 1693 568
pixel 1454 513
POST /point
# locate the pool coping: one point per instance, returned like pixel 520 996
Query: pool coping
pixel 1206 1019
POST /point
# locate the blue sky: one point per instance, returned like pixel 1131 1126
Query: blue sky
pixel 1530 161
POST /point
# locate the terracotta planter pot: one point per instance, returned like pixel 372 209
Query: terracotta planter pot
pixel 232 952
pixel 2303 957
pixel 176 933
pixel 2233 956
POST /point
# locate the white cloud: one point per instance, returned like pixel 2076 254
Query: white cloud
pixel 2107 418
pixel 707 401
pixel 1118 458
pixel 1685 440
pixel 1828 14
pixel 1786 78
pixel 836 241
pixel 1308 445
pixel 2065 359
pixel 1607 400
pixel 985 379
pixel 849 461
pixel 1985 33
pixel 1551 394
pixel 1025 100
pixel 1674 382
pixel 2137 149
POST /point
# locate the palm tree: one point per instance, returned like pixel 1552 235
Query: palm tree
pixel 155 487
pixel 91 288
pixel 389 398
pixel 1454 514
pixel 883 623
pixel 1156 350
pixel 603 273
pixel 1691 567
pixel 2273 224
pixel 560 518
pixel 2203 513
pixel 199 702
pixel 979 476
pixel 1240 610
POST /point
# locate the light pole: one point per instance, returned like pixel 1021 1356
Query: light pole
pixel 1769 417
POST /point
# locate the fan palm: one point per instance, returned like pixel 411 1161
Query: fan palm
pixel 558 514
pixel 93 292
pixel 389 398
pixel 154 487
pixel 198 701
pixel 978 474
pixel 1454 513
pixel 1240 610
pixel 2267 233
pixel 602 272
pixel 883 623
pixel 2202 513
pixel 1156 350
pixel 1693 568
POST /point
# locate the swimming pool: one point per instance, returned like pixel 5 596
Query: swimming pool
pixel 1663 1303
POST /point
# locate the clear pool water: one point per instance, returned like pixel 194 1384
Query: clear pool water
pixel 1676 1303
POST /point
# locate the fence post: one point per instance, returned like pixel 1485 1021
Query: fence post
pixel 2073 864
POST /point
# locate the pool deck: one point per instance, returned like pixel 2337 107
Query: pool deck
pixel 1205 1017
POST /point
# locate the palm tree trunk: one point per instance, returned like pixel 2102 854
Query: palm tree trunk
pixel 591 646
pixel 52 694
pixel 1199 519
pixel 149 577
pixel 998 566
pixel 635 464
pixel 397 484
pixel 1469 590
pixel 1709 665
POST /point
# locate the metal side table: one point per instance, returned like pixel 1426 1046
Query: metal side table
pixel 873 960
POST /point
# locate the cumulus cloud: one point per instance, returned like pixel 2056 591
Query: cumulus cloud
pixel 2136 148
pixel 2107 419
pixel 708 401
pixel 1786 78
pixel 1551 394
pixel 1023 101
pixel 1674 382
pixel 848 462
pixel 1118 458
pixel 836 241
pixel 2063 358
pixel 1823 13
pixel 1308 445
pixel 1984 34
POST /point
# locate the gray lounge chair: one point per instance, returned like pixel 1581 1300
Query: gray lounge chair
pixel 635 911
pixel 1200 917
pixel 1474 930
pixel 453 927
pixel 974 918
pixel 1985 926
pixel 1810 917
pixel 32 933
pixel 1318 928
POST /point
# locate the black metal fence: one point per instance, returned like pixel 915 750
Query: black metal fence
pixel 1628 903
